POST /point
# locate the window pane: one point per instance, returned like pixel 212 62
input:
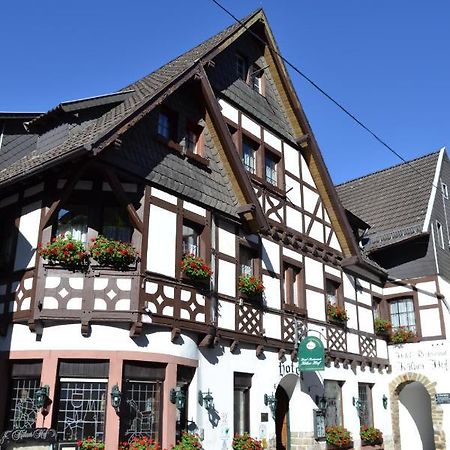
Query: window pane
pixel 140 414
pixel 116 224
pixel 365 411
pixel 73 219
pixel 331 291
pixel 271 169
pixel 248 156
pixel 81 411
pixel 164 125
pixel 191 141
pixel 402 313
pixel 246 261
pixel 190 240
pixel 332 393
pixel 22 412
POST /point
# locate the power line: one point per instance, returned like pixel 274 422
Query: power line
pixel 323 92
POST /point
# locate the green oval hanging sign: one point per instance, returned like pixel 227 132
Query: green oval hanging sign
pixel 311 354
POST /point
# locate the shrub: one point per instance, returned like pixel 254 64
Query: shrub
pixel 117 254
pixel 370 435
pixel 195 267
pixel 338 436
pixel 336 312
pixel 90 443
pixel 382 326
pixel 245 442
pixel 250 285
pixel 188 441
pixel 401 335
pixel 65 250
pixel 140 443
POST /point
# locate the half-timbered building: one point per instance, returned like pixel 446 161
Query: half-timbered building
pixel 211 155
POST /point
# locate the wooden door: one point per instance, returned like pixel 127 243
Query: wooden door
pixel 282 419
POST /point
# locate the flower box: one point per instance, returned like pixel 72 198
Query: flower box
pixel 336 314
pixel 110 253
pixel 66 252
pixel 90 443
pixel 402 335
pixel 250 285
pixel 338 437
pixel 365 446
pixel 335 447
pixel 245 442
pixel 371 438
pixel 140 443
pixel 382 327
pixel 195 268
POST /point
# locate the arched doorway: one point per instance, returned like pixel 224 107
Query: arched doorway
pixel 414 408
pixel 282 419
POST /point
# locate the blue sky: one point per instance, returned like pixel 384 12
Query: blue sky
pixel 387 61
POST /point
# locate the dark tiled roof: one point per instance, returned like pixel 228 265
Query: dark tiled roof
pixel 143 91
pixel 392 201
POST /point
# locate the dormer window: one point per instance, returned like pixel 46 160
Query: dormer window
pixel 193 139
pixel 241 67
pixel 444 188
pixel 164 125
pixel 271 168
pixel 256 78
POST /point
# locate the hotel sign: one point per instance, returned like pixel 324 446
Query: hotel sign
pixel 311 355
pixel 47 435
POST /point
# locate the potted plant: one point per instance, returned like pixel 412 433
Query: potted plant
pixel 140 443
pixel 338 437
pixel 402 335
pixel 383 327
pixel 371 438
pixel 245 442
pixel 195 267
pixel 337 314
pixel 250 285
pixel 65 251
pixel 188 441
pixel 116 254
pixel 90 443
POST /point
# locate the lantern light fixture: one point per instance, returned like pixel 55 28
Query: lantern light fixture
pixel 206 399
pixel 271 402
pixel 41 396
pixel 116 397
pixel 385 401
pixel 178 398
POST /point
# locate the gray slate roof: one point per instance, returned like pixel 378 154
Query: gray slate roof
pixel 392 201
pixel 143 91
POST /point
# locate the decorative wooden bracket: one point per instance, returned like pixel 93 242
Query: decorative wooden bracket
pixel 85 328
pixel 281 354
pixel 294 355
pixel 234 347
pixel 136 329
pixel 36 326
pixel 175 334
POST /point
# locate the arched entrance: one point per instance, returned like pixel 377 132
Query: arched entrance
pixel 414 408
pixel 282 419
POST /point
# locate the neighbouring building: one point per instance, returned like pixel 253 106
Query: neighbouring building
pixel 212 156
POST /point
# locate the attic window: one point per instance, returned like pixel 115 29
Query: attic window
pixel 440 234
pixel 249 155
pixel 193 139
pixel 241 67
pixel 444 189
pixel 256 79
pixel 164 125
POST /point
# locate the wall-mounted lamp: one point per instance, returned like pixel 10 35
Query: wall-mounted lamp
pixel 206 399
pixel 357 403
pixel 321 402
pixel 116 397
pixel 178 398
pixel 385 401
pixel 271 402
pixel 41 396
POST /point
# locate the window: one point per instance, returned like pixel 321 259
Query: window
pixel 241 67
pixel 440 234
pixel 25 380
pixel 191 238
pixel 332 289
pixel 81 400
pixel 256 78
pixel 249 155
pixel 444 189
pixel 246 261
pixel 242 385
pixel 193 140
pixel 270 166
pixel 365 407
pixel 164 125
pixel 8 233
pixel 333 397
pixel 73 219
pixel 402 313
pixel 140 413
pixel 116 224
pixel 293 286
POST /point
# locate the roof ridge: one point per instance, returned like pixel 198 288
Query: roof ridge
pixel 389 168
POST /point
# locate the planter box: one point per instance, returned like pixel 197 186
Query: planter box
pixel 333 447
pixel 371 447
pixel 340 323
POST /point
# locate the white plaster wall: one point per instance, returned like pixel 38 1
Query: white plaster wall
pixel 334 243
pixel 306 174
pixel 251 126
pixel 332 271
pixel 352 315
pixel 364 297
pixel 310 199
pixel 227 315
pixel 313 272
pixel 272 140
pixel 349 286
pixel 227 278
pixel 194 208
pixel 272 325
pixel 315 305
pixel 294 188
pixel 291 254
pixel 270 256
pixel 227 239
pixel 169 198
pixel 430 322
pixel 426 293
pixel 397 290
pixel 294 219
pixel 382 349
pixel 352 343
pixel 28 236
pixel 291 160
pixel 365 319
pixel 162 230
pixel 272 291
pixel 229 111
pixel 317 231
